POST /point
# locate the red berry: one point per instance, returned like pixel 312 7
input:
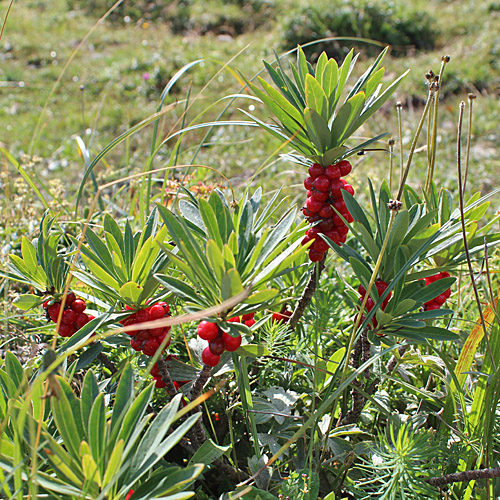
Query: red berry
pixel 53 311
pixel 313 232
pixel 247 316
pixel 440 299
pixel 250 322
pixel 345 168
pixel 333 172
pixel 66 330
pixel 362 290
pixel 156 312
pixel 78 305
pixel 230 343
pixel 308 182
pixel 136 344
pixel 349 189
pixel 81 320
pixel 305 240
pixel 68 316
pixel 208 358
pixel 319 195
pixel 333 235
pixel 314 218
pixel 279 317
pixel 155 371
pixel 369 304
pixel 313 205
pixel 235 319
pixel 326 225
pixel 315 256
pixel 150 347
pixel 207 330
pixel 322 183
pixel 342 230
pixel 160 384
pixel 327 212
pixel 142 316
pixel 430 306
pixel 320 245
pixel 165 306
pixel 340 206
pixel 70 298
pixel 315 170
pixel 216 346
pixel 447 293
pixel 143 335
pixel 306 212
pixel 155 332
pixel 335 188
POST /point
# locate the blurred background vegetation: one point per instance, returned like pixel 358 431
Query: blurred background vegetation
pixel 116 77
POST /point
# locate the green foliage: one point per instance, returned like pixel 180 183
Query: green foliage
pixel 223 251
pixel 122 267
pixel 402 27
pixel 307 106
pixel 400 462
pixel 90 452
pixel 42 264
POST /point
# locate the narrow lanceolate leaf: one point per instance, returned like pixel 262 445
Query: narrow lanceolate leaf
pixel 344 123
pixel 231 284
pixel 315 97
pixel 320 67
pixel 344 71
pixel 317 129
pixel 330 79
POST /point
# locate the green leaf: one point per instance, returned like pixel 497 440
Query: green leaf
pixel 345 69
pixel 329 79
pixel 90 391
pixel 124 395
pixel 315 97
pixel 180 289
pixel 27 301
pixel 114 463
pixel 97 431
pixel 252 350
pixel 344 123
pixel 231 284
pixel 262 296
pixel 130 292
pixel 14 369
pixel 317 129
pixel 214 256
pixel 211 223
pixel 63 409
pixel 208 452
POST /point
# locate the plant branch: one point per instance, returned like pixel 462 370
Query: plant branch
pixel 392 363
pixel 466 475
pixel 308 293
pixel 165 375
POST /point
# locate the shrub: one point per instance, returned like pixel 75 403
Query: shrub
pixel 404 30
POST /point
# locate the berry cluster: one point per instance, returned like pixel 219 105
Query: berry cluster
pixel 147 341
pixel 220 341
pixel 370 303
pixel 438 301
pixel 73 317
pixel 324 196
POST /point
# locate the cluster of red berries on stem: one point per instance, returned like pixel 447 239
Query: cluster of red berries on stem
pixel 148 341
pixel 324 196
pixel 370 303
pixel 73 317
pixel 438 301
pixel 220 341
